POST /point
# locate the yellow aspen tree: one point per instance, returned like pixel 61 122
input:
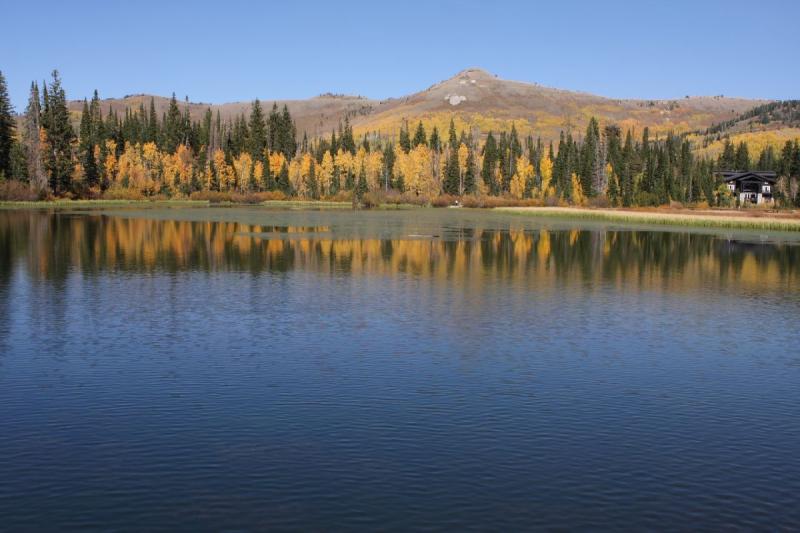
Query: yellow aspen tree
pixel 276 161
pixel 374 165
pixel 151 159
pixel 463 156
pixel 546 168
pixel 184 163
pixel 258 173
pixel 325 173
pixel 110 163
pixel 520 177
pixel 577 190
pixel 421 179
pixel 345 163
pixel 224 173
pixel 243 168
pixel 296 179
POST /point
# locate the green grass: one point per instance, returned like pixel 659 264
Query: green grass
pixel 666 219
pixel 286 204
pixel 98 203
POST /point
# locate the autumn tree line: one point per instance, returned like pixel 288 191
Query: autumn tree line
pixel 142 154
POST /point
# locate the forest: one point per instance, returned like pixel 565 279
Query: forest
pixel 262 156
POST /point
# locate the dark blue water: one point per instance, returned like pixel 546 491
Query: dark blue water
pixel 251 369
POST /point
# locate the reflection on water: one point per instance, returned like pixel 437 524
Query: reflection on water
pixel 247 369
pixel 50 246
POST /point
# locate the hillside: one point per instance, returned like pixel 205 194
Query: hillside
pixel 481 102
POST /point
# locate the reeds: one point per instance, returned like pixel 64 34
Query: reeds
pixel 652 218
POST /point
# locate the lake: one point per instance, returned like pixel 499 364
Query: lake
pixel 252 368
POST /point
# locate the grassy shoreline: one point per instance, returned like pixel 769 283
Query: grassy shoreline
pixel 704 219
pixel 733 219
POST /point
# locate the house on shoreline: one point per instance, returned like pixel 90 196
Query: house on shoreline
pixel 753 186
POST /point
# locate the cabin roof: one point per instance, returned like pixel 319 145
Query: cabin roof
pixel 758 175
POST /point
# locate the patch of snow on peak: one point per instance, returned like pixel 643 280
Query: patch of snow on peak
pixel 455 99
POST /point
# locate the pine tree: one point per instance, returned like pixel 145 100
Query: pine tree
pixel 727 160
pixel 283 180
pixel 452 178
pixel 490 157
pixel 469 174
pixel 59 138
pixel 404 140
pixel 742 158
pixel 435 142
pixel 452 139
pixel 152 123
pixel 626 172
pixel 289 134
pixel 257 141
pixel 172 134
pixel 419 136
pixel 32 143
pixel 361 186
pixel 388 165
pixel 311 183
pixel 86 147
pixel 7 128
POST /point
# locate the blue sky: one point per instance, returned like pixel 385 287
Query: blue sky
pixel 225 51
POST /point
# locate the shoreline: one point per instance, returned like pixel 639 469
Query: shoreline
pixel 705 219
pixel 708 218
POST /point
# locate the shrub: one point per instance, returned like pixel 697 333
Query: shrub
pixel 644 198
pixel 118 193
pixel 599 201
pixel 17 191
pixel 214 197
pixel 272 196
pixel 444 200
pixel 371 199
pixel 246 198
pixel 341 196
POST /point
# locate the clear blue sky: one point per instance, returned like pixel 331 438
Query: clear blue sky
pixel 231 50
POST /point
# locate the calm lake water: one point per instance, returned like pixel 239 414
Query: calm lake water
pixel 240 369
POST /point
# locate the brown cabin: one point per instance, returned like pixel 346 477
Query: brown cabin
pixel 753 186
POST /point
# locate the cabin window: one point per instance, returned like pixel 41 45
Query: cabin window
pixel 766 188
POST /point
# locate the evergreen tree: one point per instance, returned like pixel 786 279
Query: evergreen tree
pixel 490 156
pixel 388 165
pixel 30 135
pixel 452 178
pixel 469 174
pixel 59 138
pixel 86 147
pixel 435 142
pixel 283 180
pixel 289 134
pixel 419 136
pixel 742 158
pixel 727 160
pixel 311 182
pixel 589 165
pixel 7 128
pixel 257 141
pixel 152 123
pixel 404 140
pixel 361 186
pixel 626 172
pixel 452 139
pixel 172 134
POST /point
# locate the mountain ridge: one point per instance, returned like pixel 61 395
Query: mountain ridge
pixel 478 101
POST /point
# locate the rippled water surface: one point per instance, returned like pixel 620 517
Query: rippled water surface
pixel 240 369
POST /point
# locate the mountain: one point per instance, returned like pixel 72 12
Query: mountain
pixel 480 101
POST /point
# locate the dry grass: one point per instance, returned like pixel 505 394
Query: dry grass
pixel 16 191
pixel 710 219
